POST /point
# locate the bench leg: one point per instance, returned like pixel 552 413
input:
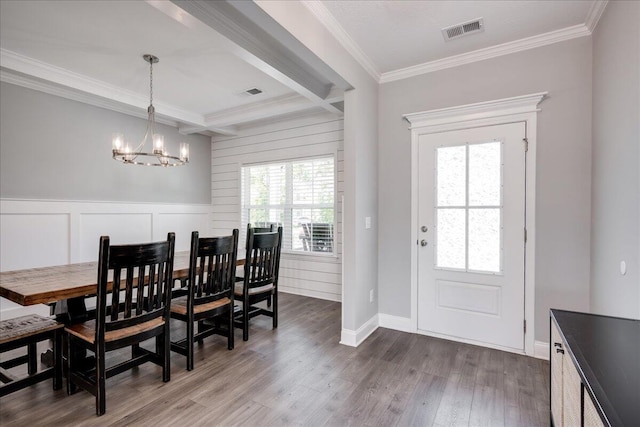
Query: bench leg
pixel 57 356
pixel 32 364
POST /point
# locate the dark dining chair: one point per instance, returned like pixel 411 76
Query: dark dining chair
pixel 132 307
pixel 262 228
pixel 212 266
pixel 258 229
pixel 260 280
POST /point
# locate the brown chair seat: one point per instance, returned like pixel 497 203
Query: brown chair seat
pixel 253 291
pixel 179 305
pixel 87 330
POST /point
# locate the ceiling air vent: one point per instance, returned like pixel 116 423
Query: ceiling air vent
pixel 466 28
pixel 253 91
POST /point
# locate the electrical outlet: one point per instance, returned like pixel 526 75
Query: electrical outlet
pixel 371 295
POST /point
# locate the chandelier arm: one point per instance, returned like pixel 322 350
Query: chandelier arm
pixel 170 160
pixel 146 136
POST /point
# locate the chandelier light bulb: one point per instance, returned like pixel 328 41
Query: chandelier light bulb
pixel 184 151
pixel 117 141
pixel 158 144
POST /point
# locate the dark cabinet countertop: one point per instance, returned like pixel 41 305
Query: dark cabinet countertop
pixel 606 351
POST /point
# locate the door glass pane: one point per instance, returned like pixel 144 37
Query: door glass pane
pixel 484 240
pixel 450 240
pixel 484 174
pixel 451 176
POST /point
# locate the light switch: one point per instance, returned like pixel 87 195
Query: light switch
pixel 367 222
pixel 623 268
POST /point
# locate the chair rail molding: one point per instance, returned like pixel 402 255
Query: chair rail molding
pixel 507 110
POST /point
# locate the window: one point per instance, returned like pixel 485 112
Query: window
pixel 469 207
pixel 299 195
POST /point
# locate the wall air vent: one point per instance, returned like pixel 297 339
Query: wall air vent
pixel 464 29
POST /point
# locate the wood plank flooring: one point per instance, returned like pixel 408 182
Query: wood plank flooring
pixel 300 375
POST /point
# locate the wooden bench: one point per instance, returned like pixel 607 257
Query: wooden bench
pixel 28 331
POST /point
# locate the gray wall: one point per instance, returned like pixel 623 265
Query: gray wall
pixel 55 148
pixel 360 159
pixel 563 187
pixel 616 161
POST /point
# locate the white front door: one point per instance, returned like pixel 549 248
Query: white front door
pixel 471 214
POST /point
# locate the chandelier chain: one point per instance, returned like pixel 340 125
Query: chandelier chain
pixel 151 82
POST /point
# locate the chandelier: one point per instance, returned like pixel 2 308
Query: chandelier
pixel 125 153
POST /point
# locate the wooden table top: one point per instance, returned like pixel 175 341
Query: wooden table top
pixel 50 284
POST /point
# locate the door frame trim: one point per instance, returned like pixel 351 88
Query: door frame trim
pixel 498 112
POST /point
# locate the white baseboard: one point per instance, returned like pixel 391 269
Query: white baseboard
pixel 397 323
pixel 541 350
pixel 355 338
pixel 309 293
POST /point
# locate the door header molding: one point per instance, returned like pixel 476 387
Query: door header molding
pixel 478 111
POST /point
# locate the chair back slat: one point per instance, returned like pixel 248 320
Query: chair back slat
pixel 115 292
pixel 147 271
pixel 212 267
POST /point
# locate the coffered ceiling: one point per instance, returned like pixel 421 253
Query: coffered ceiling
pixel 212 52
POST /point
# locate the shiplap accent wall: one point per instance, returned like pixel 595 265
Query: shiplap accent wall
pixel 41 233
pixel 317 276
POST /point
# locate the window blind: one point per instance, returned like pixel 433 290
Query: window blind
pixel 299 195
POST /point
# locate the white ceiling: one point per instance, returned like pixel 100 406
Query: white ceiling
pixel 400 34
pixel 94 48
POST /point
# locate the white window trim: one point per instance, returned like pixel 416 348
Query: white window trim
pixel 334 155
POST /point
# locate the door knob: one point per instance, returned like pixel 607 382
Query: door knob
pixel 423 243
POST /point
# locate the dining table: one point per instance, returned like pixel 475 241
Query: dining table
pixel 67 285
pixel 66 288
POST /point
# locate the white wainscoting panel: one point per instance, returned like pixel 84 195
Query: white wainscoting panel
pixel 33 240
pixel 40 233
pixel 122 229
pixel 183 224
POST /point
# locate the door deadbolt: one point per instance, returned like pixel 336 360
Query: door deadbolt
pixel 423 243
pixel 424 229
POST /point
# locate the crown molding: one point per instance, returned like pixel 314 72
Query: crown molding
pixel 488 53
pixel 595 13
pixel 31 67
pixel 34 83
pixel 327 19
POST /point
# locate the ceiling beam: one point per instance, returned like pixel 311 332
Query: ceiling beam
pixel 223 121
pixel 266 45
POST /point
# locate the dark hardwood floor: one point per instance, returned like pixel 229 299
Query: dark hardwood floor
pixel 299 374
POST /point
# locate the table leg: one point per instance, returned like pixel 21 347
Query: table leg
pixel 69 311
